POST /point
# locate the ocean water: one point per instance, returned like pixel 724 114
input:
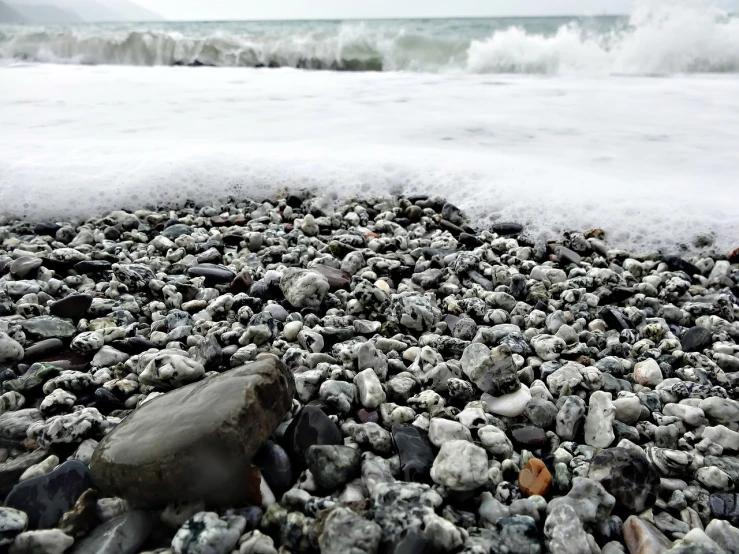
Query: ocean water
pixel 628 124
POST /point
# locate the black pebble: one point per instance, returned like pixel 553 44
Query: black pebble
pixel 614 318
pixel 412 541
pixel 46 498
pixel 529 435
pixel 92 266
pixel 507 229
pixel 46 228
pixel 214 274
pixel 678 264
pixel 275 466
pixel 106 401
pixel 696 339
pixel 310 427
pixel 72 306
pixel 414 451
pixel 725 505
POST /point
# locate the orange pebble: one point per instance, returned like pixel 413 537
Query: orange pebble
pixel 534 478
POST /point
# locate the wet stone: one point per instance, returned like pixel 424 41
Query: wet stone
pixel 311 426
pixel 47 541
pixel 214 274
pixel 368 416
pixel 724 534
pixel 641 537
pixel 725 505
pixel 156 455
pixel 412 541
pixel 11 470
pixel 10 349
pixel 614 318
pixel 461 390
pixel 498 362
pixel 106 401
pixel 12 523
pixel 460 466
pixel 518 534
pixel 509 405
pixel 570 417
pixel 241 283
pixel 529 435
pixel 541 413
pixel 304 288
pixel 34 378
pixel 345 531
pixel 82 518
pixel 87 267
pixel 414 311
pixel 506 229
pixel 135 276
pixel 565 532
pixel 45 499
pixel 46 228
pixel 134 345
pixel 696 339
pixel 590 500
pixel 400 506
pixel 24 266
pixel 124 534
pixel 176 230
pixel 414 451
pixel 332 465
pixel 48 327
pixel 628 476
pixel 679 264
pixel 567 256
pixel 534 478
pixel 72 306
pixel 206 533
pixel 14 425
pixel 493 371
pixel 41 349
pixel 275 466
pixel 337 279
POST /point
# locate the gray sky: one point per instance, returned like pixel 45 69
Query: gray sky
pixel 341 9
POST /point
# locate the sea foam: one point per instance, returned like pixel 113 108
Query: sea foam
pixel 651 161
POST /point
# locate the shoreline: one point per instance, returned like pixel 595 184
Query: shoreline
pixel 438 386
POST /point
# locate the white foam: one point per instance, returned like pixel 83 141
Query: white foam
pixel 661 39
pixel 652 161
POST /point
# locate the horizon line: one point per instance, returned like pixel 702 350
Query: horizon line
pixel 337 19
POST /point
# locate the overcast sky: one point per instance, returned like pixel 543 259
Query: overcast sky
pixel 346 9
pixel 341 9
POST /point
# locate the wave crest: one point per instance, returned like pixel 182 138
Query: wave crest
pixel 666 40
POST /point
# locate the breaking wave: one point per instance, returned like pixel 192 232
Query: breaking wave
pixel 666 40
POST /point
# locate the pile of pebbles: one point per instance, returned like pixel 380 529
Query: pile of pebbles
pixel 388 378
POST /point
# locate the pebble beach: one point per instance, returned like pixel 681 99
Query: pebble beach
pixel 374 375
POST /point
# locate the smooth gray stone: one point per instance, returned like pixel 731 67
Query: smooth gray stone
pixel 196 441
pixel 121 535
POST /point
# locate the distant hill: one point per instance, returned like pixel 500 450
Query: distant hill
pixel 44 13
pixel 107 10
pixel 132 11
pixel 70 11
pixel 9 15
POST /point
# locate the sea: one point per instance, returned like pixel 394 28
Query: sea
pixel 628 124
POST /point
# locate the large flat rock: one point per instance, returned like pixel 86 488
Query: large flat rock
pixel 196 441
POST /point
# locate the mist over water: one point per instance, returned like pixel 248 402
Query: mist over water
pixel 558 124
